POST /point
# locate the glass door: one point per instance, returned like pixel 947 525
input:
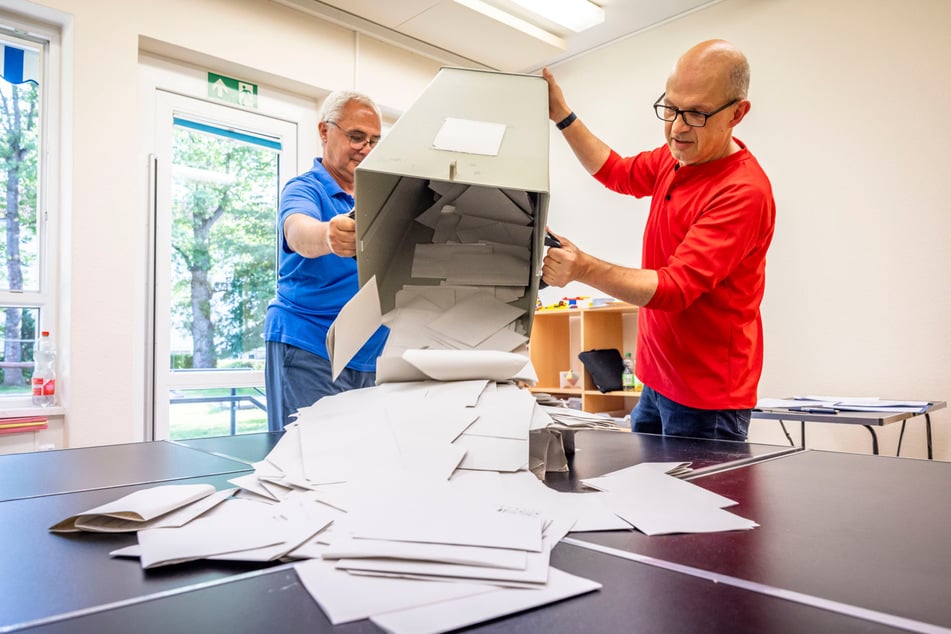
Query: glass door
pixel 217 176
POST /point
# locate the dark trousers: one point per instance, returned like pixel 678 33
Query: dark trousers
pixel 657 414
pixel 295 378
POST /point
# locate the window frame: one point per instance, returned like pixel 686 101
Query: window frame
pixel 49 198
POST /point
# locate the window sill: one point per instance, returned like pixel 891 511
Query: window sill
pixel 15 412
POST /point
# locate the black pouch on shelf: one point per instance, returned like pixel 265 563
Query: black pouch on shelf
pixel 605 367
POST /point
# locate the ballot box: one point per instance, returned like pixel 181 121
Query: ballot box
pixel 455 196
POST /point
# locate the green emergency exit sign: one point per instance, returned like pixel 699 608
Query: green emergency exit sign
pixel 231 90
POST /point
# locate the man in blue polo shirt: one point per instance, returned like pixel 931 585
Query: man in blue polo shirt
pixel 318 273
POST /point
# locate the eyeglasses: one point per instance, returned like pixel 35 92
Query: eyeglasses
pixel 358 140
pixel 693 118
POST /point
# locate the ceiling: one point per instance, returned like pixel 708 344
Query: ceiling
pixel 454 34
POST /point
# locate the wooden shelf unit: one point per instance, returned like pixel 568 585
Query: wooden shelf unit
pixel 558 335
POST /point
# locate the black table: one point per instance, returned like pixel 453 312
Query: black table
pixel 40 473
pixel 248 448
pixel 634 598
pixel 862 530
pixel 868 420
pixel 858 530
pixel 598 452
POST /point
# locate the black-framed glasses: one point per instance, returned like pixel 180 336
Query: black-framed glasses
pixel 693 118
pixel 358 140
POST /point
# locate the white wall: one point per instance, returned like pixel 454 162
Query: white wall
pixel 850 121
pixel 103 295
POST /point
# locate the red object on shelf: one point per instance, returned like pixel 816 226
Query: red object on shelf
pixel 22 423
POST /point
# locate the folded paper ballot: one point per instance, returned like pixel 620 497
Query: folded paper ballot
pixel 133 511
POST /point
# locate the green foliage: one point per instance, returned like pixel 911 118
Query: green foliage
pixel 224 209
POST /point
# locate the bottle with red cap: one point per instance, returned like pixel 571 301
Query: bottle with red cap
pixel 44 371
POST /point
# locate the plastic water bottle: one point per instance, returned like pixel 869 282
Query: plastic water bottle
pixel 44 371
pixel 627 375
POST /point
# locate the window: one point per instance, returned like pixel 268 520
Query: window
pixel 27 249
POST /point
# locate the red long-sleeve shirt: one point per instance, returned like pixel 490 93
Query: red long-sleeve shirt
pixel 700 338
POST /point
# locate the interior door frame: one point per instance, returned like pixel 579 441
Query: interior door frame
pixel 168 90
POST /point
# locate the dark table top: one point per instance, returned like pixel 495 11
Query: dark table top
pixel 249 448
pixel 599 452
pixel 869 531
pixel 862 530
pixel 67 470
pixel 634 598
pixel 46 573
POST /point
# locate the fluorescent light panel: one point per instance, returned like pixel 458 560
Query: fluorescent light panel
pixel 516 23
pixel 575 15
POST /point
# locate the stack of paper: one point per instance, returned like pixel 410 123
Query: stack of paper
pixel 569 418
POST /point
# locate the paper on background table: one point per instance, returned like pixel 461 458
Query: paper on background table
pixel 355 324
pixel 844 403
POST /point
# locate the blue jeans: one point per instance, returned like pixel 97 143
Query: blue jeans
pixel 657 414
pixel 295 378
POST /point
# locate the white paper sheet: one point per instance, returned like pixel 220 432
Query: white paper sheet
pixel 350 548
pixel 355 324
pixel 453 614
pixel 470 137
pixel 464 365
pixel 344 597
pixel 142 505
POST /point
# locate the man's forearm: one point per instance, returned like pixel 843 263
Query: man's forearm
pixel 634 286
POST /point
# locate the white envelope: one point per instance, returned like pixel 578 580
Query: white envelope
pixel 344 597
pixel 454 614
pixel 142 505
pixel 362 316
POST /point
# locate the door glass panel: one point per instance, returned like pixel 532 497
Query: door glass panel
pixel 224 194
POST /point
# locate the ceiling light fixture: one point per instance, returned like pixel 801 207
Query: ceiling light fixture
pixel 516 23
pixel 575 15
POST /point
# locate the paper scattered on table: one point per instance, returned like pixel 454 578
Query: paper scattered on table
pixel 412 500
pixel 844 404
pixel 478 607
pixel 657 504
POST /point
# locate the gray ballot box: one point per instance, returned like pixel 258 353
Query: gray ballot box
pixel 456 193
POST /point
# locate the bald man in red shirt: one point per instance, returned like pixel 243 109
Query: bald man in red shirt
pixel 700 332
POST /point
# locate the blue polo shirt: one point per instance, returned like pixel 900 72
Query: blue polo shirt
pixel 311 291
